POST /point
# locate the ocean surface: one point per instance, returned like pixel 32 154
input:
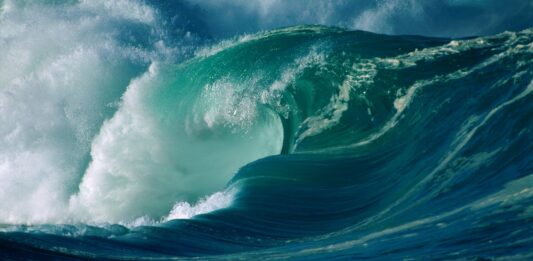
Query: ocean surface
pixel 127 133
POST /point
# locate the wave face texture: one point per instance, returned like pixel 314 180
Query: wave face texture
pixel 130 130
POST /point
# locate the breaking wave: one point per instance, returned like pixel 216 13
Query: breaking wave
pixel 303 142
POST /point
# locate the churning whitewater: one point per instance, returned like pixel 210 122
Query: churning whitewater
pixel 83 142
pixel 128 132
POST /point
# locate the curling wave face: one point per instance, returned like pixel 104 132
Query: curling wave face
pixel 334 143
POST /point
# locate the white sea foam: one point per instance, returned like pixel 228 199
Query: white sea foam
pixel 223 45
pixel 361 76
pixel 55 83
pixel 80 140
pixel 218 200
pixel 226 104
pixel 405 97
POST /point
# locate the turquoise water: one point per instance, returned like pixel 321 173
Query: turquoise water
pixel 306 142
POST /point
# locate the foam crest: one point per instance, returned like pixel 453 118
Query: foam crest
pixel 360 77
pixel 218 200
